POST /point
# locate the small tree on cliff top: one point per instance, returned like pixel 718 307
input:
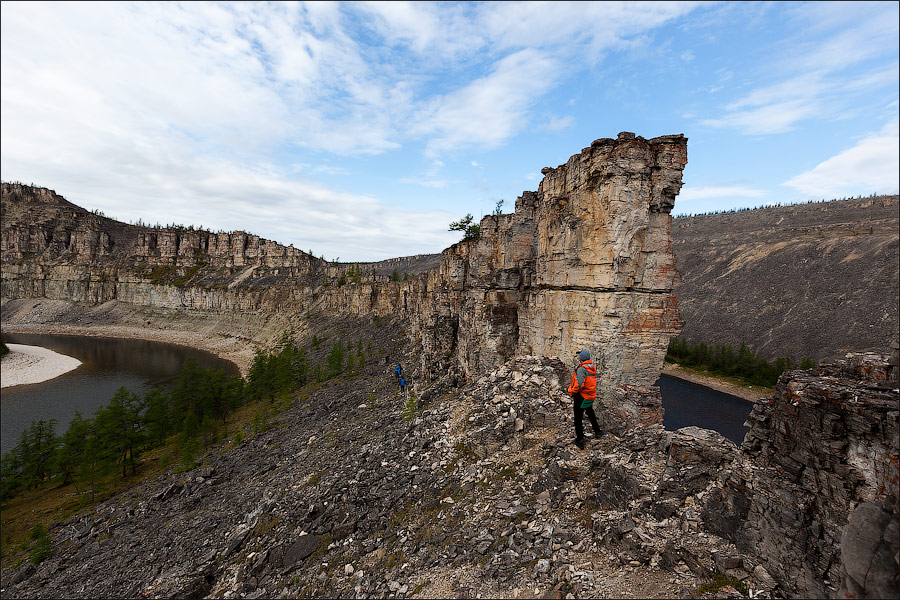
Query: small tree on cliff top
pixel 470 231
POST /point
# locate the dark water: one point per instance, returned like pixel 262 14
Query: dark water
pixel 687 403
pixel 107 364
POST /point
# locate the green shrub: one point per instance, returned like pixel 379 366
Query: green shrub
pixel 411 408
pixel 42 548
pixel 719 581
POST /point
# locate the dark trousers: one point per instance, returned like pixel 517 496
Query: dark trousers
pixel 579 412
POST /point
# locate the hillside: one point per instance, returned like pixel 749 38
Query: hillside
pixel 808 280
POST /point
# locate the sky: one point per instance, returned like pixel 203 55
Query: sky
pixel 360 131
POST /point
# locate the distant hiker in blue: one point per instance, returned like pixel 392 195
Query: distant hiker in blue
pixel 402 385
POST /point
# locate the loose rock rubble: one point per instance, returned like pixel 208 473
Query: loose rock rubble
pixel 476 493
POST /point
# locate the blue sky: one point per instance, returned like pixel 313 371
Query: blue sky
pixel 361 130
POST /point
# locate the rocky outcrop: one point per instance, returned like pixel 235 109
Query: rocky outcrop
pixel 869 549
pixel 806 280
pixel 476 493
pixel 826 443
pixel 584 262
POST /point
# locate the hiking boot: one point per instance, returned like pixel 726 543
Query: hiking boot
pixel 598 433
pixel 579 442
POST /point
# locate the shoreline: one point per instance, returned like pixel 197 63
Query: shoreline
pixel 25 365
pixel 194 340
pixel 242 356
pixel 749 394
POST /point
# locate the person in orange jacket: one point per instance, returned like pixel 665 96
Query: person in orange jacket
pixel 583 391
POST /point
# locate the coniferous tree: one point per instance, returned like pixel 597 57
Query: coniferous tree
pixel 39 451
pixel 92 465
pixel 72 449
pixel 185 391
pixel 335 360
pixel 118 431
pixel 12 468
pixel 157 416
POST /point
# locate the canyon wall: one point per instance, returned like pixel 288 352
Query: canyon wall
pixel 583 263
pixel 586 261
pixel 807 280
pixel 821 450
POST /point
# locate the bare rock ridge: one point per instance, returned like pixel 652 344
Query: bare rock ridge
pixel 806 280
pixel 584 262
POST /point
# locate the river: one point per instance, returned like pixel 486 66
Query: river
pixel 107 364
pixel 687 403
pixel 140 365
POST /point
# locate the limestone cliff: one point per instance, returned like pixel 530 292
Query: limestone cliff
pixel 584 262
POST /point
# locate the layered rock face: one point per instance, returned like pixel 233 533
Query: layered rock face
pixel 823 447
pixel 584 263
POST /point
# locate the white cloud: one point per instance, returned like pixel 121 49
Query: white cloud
pixel 580 26
pixel 559 123
pixel 821 72
pixel 220 114
pixel 771 118
pixel 490 109
pixel 873 165
pixel 425 182
pixel 222 195
pixel 427 29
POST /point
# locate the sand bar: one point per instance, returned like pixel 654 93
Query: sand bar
pixel 33 364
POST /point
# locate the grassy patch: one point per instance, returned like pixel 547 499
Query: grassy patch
pixel 265 526
pixel 393 560
pixel 162 274
pixel 41 549
pixel 719 581
pixel 315 478
pixel 411 408
pixel 188 275
pixel 419 587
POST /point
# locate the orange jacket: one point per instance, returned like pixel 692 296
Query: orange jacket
pixel 588 389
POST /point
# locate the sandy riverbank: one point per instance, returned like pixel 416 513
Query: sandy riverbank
pixel 33 364
pixel 751 394
pixel 232 350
